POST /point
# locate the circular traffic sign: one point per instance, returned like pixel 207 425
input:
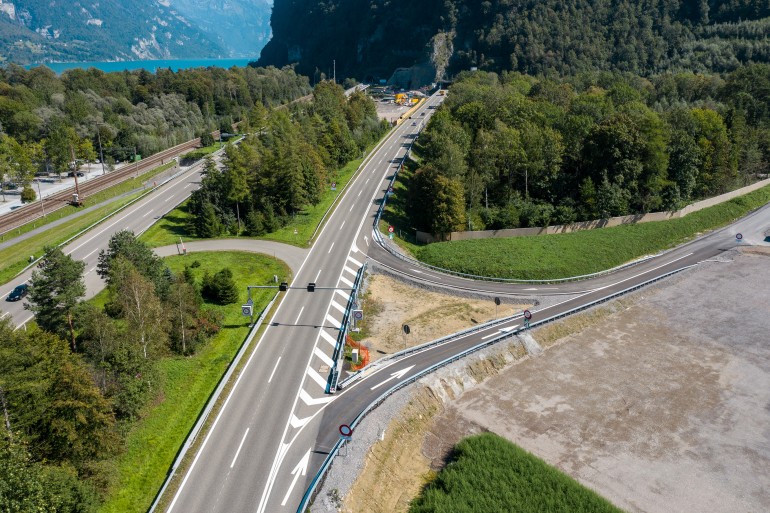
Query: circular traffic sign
pixel 497 301
pixel 358 314
pixel 390 189
pixel 527 314
pixel 346 430
pixel 391 229
pixel 739 236
pixel 406 329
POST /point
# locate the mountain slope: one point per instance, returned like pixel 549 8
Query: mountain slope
pixel 372 37
pixel 243 26
pixel 60 30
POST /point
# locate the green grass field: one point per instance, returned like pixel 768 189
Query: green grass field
pixel 16 257
pixel 174 224
pixel 153 442
pixel 573 254
pixel 490 474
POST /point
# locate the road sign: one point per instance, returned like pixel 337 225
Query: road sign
pixel 358 314
pixel 391 229
pixel 739 236
pixel 497 301
pixel 246 310
pixel 346 430
pixel 334 186
pixel 295 231
pixel 527 314
pixel 390 190
pixel 406 329
pixel 390 235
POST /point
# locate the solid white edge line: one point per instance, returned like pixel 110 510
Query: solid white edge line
pixel 299 315
pixel 239 448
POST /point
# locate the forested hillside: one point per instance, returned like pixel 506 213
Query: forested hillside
pixel 514 151
pixel 534 37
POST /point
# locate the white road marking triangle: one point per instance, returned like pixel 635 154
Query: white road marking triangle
pixel 316 377
pixel 323 356
pixel 298 423
pixel 358 264
pixel 311 401
pixel 329 338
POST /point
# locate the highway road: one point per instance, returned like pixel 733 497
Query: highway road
pixel 137 217
pixel 278 424
pixel 275 427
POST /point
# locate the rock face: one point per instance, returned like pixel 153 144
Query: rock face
pixel 368 39
pixel 67 30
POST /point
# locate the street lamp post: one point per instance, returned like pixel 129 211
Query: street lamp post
pixel 40 193
pixel 101 153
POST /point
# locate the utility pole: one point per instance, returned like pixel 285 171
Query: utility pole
pixel 136 163
pixel 75 174
pixel 39 193
pixel 335 70
pixel 101 153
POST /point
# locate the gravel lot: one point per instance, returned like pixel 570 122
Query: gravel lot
pixel 661 407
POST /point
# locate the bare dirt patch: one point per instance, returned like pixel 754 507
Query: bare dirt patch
pixel 429 315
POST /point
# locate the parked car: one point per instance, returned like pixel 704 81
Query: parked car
pixel 18 293
pixel 71 174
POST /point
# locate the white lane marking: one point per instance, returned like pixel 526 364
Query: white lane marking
pixel 90 271
pixel 395 375
pixel 323 356
pixel 359 192
pixel 311 401
pixel 98 233
pixel 351 207
pixel 274 369
pixel 351 271
pixel 316 377
pixel 299 315
pixel 380 162
pixel 165 200
pixel 298 422
pixel 25 321
pixel 330 248
pixel 329 338
pixel 91 253
pixel 6 313
pixel 188 185
pixel 416 271
pixel 501 331
pixel 343 224
pixel 317 275
pixel 300 469
pixel 147 213
pixel 367 180
pixel 239 448
pixel 358 264
pixel 346 281
pixel 366 239
pixel 338 306
pixel 332 320
pixel 343 294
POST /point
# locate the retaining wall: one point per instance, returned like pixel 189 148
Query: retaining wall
pixel 427 238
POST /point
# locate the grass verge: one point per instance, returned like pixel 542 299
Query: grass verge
pixel 186 384
pixel 16 257
pixel 174 224
pixel 573 254
pixel 488 473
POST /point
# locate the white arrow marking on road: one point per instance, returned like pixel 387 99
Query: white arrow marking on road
pixel 395 375
pixel 297 422
pixel 366 239
pixel 502 330
pixel 311 401
pixel 301 468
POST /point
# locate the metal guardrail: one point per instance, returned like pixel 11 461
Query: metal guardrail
pixel 334 373
pixel 210 404
pixel 321 474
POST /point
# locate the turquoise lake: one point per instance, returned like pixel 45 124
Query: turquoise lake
pixel 175 65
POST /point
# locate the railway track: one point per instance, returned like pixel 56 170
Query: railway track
pixel 35 210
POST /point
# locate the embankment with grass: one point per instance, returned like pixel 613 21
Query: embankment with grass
pixel 489 473
pixel 186 383
pixel 545 257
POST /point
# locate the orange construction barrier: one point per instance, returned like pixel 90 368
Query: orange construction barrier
pixel 363 354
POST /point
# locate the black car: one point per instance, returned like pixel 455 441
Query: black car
pixel 80 174
pixel 18 293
